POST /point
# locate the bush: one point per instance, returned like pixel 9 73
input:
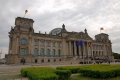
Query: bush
pixel 39 73
pixel 100 71
pixel 73 69
pixel 24 71
pixel 63 74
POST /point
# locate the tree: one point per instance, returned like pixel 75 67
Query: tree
pixel 116 55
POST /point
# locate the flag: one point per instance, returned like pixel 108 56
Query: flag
pixel 89 44
pixel 26 11
pixel 79 43
pixel 101 28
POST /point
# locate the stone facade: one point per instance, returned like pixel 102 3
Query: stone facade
pixel 59 45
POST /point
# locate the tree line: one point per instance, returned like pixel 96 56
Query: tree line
pixel 116 55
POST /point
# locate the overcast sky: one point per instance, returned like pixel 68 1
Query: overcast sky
pixel 75 14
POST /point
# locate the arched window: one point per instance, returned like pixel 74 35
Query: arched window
pixel 47 52
pixel 59 52
pixel 42 52
pixel 22 51
pixel 23 41
pixel 35 52
pixel 53 52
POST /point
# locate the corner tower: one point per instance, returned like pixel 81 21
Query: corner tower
pixel 23 24
pixel 20 39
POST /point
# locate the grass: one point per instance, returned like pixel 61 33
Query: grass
pixel 79 77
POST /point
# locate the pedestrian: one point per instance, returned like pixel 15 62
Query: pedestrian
pixel 109 62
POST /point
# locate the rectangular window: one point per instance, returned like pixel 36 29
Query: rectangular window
pixel 53 44
pixel 48 44
pixel 58 44
pixel 35 43
pixel 41 43
pixel 22 51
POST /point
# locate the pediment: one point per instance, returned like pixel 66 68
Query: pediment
pixel 79 35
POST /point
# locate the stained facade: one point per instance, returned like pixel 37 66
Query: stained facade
pixel 59 45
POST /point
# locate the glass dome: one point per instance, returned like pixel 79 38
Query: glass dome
pixel 55 31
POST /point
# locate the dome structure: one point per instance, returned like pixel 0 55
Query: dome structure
pixel 55 31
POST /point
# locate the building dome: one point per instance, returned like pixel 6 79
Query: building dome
pixel 55 31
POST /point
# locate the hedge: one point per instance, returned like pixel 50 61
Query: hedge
pixel 45 73
pixel 73 69
pixel 63 74
pixel 100 71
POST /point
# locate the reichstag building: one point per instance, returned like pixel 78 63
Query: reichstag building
pixel 26 46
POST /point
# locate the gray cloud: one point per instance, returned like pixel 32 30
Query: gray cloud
pixel 75 14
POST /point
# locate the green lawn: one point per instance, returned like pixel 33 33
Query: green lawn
pixel 79 77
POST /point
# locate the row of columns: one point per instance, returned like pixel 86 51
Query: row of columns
pixel 85 51
pixel 80 51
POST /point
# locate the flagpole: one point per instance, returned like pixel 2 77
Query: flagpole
pixel 92 54
pixel 88 53
pixel 83 53
pixel 24 15
pixel 1 53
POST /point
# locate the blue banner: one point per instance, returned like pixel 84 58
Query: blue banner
pixel 79 43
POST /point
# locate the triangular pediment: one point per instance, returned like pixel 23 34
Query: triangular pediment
pixel 79 35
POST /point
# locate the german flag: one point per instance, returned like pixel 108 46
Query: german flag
pixel 26 11
pixel 89 44
pixel 101 28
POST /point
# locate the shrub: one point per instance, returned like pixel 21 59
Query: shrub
pixel 63 74
pixel 39 73
pixel 73 69
pixel 24 71
pixel 100 71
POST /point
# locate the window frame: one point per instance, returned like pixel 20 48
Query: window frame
pixel 23 41
pixel 22 51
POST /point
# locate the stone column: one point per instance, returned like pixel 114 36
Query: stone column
pixel 29 39
pixel 83 49
pixel 87 50
pixel 13 45
pixel 45 48
pixel 75 48
pixel 17 45
pixel 32 46
pixel 104 50
pixel 111 51
pixel 70 47
pixel 51 48
pixel 38 47
pixel 80 53
pixel 9 51
pixel 92 49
